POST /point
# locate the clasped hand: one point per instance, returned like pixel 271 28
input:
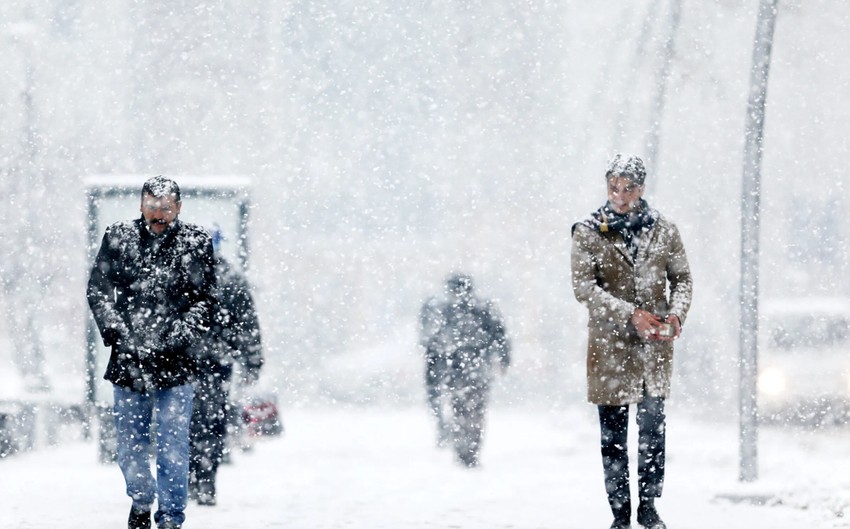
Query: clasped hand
pixel 649 326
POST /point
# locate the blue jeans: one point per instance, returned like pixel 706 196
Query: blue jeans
pixel 134 413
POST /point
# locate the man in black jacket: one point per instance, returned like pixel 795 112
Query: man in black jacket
pixel 151 294
pixel 462 336
pixel 233 336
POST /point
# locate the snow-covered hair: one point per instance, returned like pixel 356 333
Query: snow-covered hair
pixel 627 166
pixel 161 187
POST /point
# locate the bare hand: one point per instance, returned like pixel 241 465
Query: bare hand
pixel 647 324
pixel 677 326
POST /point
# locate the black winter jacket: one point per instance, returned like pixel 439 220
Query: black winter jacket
pixel 152 298
pixel 474 325
pixel 235 328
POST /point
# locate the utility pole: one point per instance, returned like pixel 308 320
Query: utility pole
pixel 750 216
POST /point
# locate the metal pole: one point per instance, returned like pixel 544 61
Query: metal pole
pixel 751 189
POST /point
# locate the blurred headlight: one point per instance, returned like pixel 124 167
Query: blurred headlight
pixel 772 381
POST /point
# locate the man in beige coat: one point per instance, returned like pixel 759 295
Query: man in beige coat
pixel 625 257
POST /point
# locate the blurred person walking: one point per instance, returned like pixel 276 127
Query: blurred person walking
pixel 151 293
pixel 234 336
pixel 625 257
pixel 462 336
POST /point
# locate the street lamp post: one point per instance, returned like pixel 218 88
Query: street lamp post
pixel 750 213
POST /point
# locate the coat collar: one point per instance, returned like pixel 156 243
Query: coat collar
pixel 596 222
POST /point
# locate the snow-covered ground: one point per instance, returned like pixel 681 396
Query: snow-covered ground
pixel 379 468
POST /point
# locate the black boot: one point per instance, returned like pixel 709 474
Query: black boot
pixel 192 491
pixel 206 493
pixel 621 508
pixel 648 517
pixel 139 519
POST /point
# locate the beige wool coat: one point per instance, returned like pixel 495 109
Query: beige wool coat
pixel 611 285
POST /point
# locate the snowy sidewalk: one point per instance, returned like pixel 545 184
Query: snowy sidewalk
pixel 374 468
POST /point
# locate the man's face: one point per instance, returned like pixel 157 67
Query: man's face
pixel 159 213
pixel 623 194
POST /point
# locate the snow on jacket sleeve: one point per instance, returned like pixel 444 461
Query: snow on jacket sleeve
pixel 679 276
pixel 100 292
pixel 500 346
pixel 241 326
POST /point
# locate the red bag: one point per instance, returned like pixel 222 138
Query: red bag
pixel 260 416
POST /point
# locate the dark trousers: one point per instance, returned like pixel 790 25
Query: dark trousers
pixel 469 385
pixel 469 406
pixel 462 379
pixel 614 428
pixel 209 425
pixel 435 373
